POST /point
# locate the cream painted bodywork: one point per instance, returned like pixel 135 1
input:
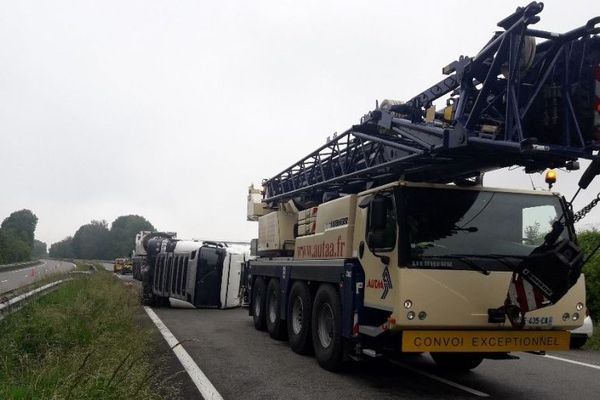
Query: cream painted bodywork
pixel 452 299
pixel 334 231
pixel 276 231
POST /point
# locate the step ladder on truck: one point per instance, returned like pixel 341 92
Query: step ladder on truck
pixel 385 241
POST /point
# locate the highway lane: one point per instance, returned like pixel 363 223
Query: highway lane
pixel 243 363
pixel 11 280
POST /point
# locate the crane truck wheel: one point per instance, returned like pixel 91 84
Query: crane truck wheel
pixel 577 342
pixel 298 318
pixel 258 304
pixel 275 325
pixel 457 361
pixel 327 328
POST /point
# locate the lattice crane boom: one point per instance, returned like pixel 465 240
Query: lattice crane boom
pixel 517 102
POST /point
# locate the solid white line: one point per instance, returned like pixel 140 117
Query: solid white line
pixel 207 390
pixel 440 379
pixel 573 361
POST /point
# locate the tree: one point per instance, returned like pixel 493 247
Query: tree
pixel 92 241
pixel 96 241
pixel 23 224
pixel 588 241
pixel 533 234
pixel 16 236
pixel 39 249
pixel 123 231
pixel 12 248
pixel 62 249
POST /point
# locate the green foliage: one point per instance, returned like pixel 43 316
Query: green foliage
pixel 94 241
pixel 588 240
pixel 22 223
pixel 80 342
pixel 12 248
pixel 16 237
pixel 62 249
pixel 123 231
pixel 39 249
pixel 533 234
pixel 593 343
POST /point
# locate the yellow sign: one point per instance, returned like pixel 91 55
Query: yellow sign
pixel 485 341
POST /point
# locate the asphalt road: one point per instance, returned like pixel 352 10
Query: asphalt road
pixel 11 280
pixel 243 363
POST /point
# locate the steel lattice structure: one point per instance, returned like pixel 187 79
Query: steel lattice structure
pixel 515 103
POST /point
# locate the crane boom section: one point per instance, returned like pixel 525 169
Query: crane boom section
pixel 528 98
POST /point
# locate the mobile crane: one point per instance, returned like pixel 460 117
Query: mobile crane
pixel 384 240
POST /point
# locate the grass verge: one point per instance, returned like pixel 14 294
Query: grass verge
pixel 81 341
pixel 593 343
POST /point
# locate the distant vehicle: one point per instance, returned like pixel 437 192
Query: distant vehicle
pixel 122 265
pixel 580 335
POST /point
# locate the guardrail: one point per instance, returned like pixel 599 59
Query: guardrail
pixel 19 301
pixel 9 267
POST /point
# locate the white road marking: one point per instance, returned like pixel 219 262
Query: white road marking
pixel 207 390
pixel 6 280
pixel 440 379
pixel 573 361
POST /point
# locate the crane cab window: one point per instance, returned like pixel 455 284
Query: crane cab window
pixel 381 222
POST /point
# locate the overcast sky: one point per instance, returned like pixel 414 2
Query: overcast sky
pixel 170 109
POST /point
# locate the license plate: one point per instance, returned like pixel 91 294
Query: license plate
pixel 484 341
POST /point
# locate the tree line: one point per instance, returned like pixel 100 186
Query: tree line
pixel 17 238
pixel 95 241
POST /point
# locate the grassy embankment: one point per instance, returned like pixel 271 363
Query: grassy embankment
pixel 593 343
pixel 81 341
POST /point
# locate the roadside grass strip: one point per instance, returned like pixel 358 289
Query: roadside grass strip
pixel 593 343
pixel 82 341
pixel 15 302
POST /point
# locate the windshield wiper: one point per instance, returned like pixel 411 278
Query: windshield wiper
pixel 501 258
pixel 465 260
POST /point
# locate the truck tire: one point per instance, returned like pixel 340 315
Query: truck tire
pixel 577 342
pixel 299 313
pixel 258 304
pixel 327 328
pixel 457 361
pixel 275 325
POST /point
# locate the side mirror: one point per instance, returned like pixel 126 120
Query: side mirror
pixel 589 174
pixel 378 214
pixel 375 239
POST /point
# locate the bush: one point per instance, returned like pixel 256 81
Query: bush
pixel 588 240
pixel 79 342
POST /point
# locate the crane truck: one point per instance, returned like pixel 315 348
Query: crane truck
pixel 384 240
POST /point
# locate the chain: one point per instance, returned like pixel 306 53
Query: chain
pixel 578 216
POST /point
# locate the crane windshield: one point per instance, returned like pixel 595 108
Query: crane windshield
pixel 442 223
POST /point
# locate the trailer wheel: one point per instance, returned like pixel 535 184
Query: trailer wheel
pixel 258 304
pixel 577 342
pixel 457 361
pixel 275 325
pixel 327 328
pixel 298 318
